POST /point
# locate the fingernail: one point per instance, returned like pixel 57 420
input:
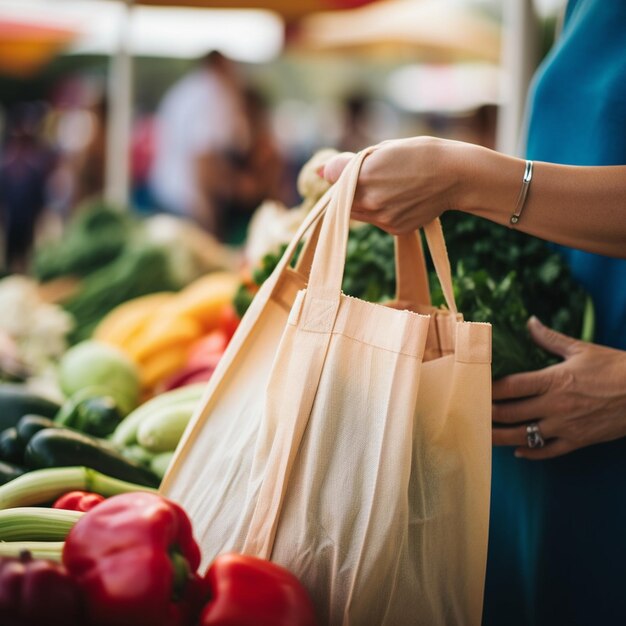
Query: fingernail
pixel 518 454
pixel 534 320
pixel 320 171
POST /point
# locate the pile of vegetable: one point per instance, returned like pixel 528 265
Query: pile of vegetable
pixel 173 338
pixel 500 276
pixel 94 237
pixel 132 559
pixel 118 257
pixel 504 276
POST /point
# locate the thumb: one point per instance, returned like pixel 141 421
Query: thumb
pixel 551 340
pixel 332 170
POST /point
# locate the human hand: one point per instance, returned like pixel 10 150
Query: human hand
pixel 403 183
pixel 576 403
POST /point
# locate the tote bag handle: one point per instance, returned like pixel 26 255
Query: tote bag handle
pixel 324 287
pixel 411 274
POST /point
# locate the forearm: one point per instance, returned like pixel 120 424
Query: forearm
pixel 581 207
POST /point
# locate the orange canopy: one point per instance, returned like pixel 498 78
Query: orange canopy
pixel 25 47
pixel 289 9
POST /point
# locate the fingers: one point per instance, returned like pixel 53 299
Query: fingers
pixel 332 170
pixel 552 449
pixel 517 436
pixel 551 340
pixel 522 385
pixel 526 410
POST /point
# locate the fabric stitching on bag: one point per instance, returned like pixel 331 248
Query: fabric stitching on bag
pixel 364 343
pixel 320 315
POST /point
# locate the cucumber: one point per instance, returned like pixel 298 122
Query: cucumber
pixel 11 446
pixel 31 424
pixel 60 447
pixel 17 400
pixel 9 471
pixel 161 430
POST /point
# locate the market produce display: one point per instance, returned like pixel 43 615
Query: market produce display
pixel 118 257
pixel 132 559
pixel 95 237
pixel 164 333
pixel 100 376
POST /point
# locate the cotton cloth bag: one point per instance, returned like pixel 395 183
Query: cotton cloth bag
pixel 347 441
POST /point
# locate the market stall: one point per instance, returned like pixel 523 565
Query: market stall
pixel 150 469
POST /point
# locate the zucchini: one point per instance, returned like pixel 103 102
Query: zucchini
pixel 161 462
pixel 60 447
pixel 17 400
pixel 126 433
pixel 9 471
pixel 31 424
pixel 161 430
pixel 11 446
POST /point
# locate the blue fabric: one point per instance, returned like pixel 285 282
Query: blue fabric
pixel 557 545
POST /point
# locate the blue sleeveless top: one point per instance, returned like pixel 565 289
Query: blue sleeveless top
pixel 557 539
pixel 578 117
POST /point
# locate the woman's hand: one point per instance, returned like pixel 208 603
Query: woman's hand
pixel 404 183
pixel 576 403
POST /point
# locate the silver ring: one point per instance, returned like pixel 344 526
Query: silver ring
pixel 533 436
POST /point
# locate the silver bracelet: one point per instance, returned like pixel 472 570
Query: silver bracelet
pixel 523 192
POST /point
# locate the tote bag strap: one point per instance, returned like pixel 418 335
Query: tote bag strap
pixel 411 275
pixel 411 266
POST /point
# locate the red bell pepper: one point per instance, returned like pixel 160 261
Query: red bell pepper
pixel 188 376
pixel 208 350
pixel 247 591
pixel 37 591
pixel 78 501
pixel 135 561
pixel 229 321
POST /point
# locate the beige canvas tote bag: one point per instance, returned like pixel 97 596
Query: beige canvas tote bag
pixel 347 441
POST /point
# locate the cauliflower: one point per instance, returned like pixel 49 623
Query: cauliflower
pixel 34 331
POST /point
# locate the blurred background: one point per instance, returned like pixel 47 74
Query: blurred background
pixel 205 109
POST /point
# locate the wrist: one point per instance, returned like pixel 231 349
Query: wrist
pixel 487 182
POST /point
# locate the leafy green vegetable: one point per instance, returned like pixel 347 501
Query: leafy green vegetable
pixel 138 271
pixel 546 285
pixel 369 273
pixel 94 237
pixel 500 303
pixel 246 292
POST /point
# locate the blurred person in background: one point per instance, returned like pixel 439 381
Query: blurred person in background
pixel 257 171
pixel 25 166
pixel 202 132
pixel 77 129
pixel 557 546
pixel 356 133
